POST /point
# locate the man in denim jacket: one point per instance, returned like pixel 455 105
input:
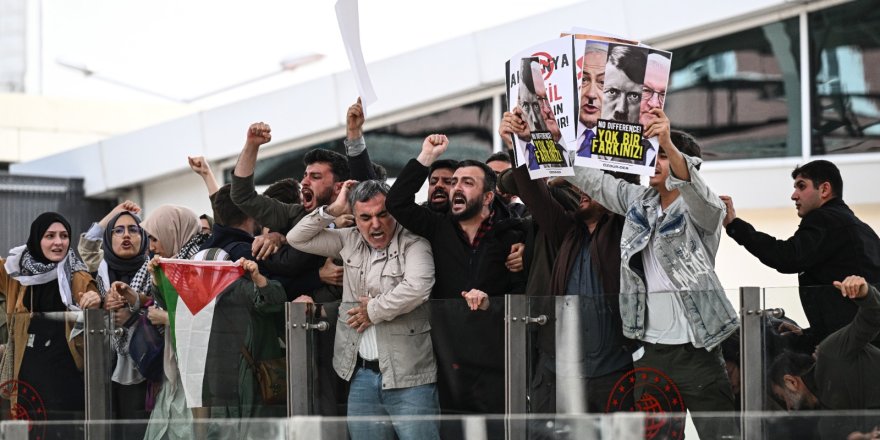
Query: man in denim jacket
pixel 671 299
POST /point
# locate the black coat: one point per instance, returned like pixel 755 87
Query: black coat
pixel 830 244
pixel 458 267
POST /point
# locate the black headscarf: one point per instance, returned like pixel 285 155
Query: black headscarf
pixel 123 269
pixel 38 228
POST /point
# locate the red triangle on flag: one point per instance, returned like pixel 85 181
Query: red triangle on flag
pixel 198 282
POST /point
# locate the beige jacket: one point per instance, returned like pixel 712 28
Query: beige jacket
pixel 18 316
pixel 398 308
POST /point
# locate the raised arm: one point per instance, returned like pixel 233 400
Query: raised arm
pixel 401 199
pixel 796 254
pixel 705 207
pixel 545 210
pixel 614 194
pixel 200 166
pixel 311 234
pixel 359 162
pixel 90 246
pixel 268 212
pixel 852 339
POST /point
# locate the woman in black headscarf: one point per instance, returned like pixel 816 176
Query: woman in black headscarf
pixel 43 280
pixel 115 249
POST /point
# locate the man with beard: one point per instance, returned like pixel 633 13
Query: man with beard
pixel 840 376
pixel 440 184
pixel 323 178
pixel 593 358
pixel 592 82
pixel 499 162
pixel 470 245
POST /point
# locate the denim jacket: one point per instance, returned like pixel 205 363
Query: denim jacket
pixel 399 308
pixel 685 241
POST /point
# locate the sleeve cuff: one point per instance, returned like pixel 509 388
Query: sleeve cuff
pixel 323 214
pixel 355 147
pixel 673 182
pixel 95 232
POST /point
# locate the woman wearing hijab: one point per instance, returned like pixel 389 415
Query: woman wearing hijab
pixel 42 280
pixel 173 232
pixel 124 257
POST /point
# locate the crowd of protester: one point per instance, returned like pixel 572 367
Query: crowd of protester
pixel 632 263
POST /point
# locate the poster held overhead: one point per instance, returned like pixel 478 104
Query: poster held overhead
pixel 611 123
pixel 540 89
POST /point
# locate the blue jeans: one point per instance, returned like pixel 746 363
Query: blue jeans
pixel 391 411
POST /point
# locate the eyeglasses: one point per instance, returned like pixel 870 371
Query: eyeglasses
pixel 648 94
pixel 132 230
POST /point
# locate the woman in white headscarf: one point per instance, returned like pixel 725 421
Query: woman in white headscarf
pixel 43 281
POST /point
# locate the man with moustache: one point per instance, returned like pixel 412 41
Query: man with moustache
pixel 624 75
pixel 470 245
pixel 389 277
pixel 499 162
pixel 323 178
pixel 592 83
pixel 440 185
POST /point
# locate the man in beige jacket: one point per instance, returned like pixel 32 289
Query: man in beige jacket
pixel 384 346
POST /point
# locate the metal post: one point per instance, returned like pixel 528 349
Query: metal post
pixel 515 371
pixel 97 374
pixel 751 369
pixel 299 352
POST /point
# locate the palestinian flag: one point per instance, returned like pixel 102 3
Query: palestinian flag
pixel 190 290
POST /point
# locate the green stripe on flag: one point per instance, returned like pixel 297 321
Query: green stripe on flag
pixel 169 295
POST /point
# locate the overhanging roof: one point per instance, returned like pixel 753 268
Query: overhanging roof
pixel 426 76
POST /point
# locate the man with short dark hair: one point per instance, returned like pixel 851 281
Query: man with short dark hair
pixel 829 244
pixel 624 75
pixel 588 268
pixel 440 184
pixel 499 162
pixel 389 275
pixel 671 299
pixel 841 375
pixel 470 244
pixel 284 190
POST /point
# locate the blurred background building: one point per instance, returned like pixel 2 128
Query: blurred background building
pixel 763 84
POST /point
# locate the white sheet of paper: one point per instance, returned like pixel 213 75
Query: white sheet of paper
pixel 349 26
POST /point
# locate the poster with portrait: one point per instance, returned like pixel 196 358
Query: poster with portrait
pixel 541 90
pixel 620 84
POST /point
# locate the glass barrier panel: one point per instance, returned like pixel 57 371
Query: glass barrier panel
pixel 450 358
pixel 198 368
pixel 824 360
pixel 613 426
pixel 44 379
pixel 584 363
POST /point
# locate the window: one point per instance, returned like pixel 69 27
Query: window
pixel 740 94
pixel 845 73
